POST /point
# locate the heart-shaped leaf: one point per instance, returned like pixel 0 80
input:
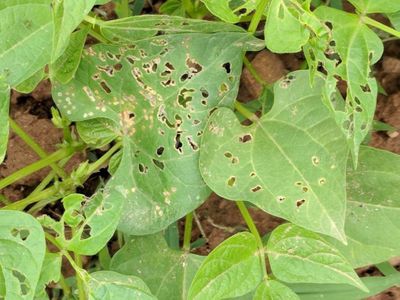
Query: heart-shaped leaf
pixel 300 256
pixel 290 163
pixel 167 272
pixel 22 250
pixel 232 269
pixel 158 92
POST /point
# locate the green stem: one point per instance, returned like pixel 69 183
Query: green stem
pixel 98 36
pixel 253 72
pixel 125 9
pixel 386 268
pixel 380 26
pixel 188 232
pixel 65 185
pixel 253 229
pixel 189 8
pixel 34 146
pixel 64 286
pixel 245 112
pixel 38 165
pixel 93 21
pixel 262 5
pixel 79 281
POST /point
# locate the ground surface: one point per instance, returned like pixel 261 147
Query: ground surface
pixel 216 219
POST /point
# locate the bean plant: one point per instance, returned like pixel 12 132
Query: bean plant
pixel 156 96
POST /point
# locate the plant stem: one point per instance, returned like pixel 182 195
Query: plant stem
pixel 262 5
pixel 34 146
pixel 245 112
pixel 380 26
pixel 253 229
pixel 38 165
pixel 93 21
pixel 189 8
pixel 253 71
pixel 79 282
pixel 125 9
pixel 65 287
pixel 188 232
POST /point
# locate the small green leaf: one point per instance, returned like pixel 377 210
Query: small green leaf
pixel 67 16
pixel 97 132
pixel 167 272
pixel 372 223
pixel 93 222
pixel 303 179
pixel 64 68
pixel 230 10
pixel 173 8
pixel 284 33
pixel 4 111
pixel 31 83
pixel 376 6
pixel 22 250
pixel 107 285
pixel 274 290
pixel 51 271
pixel 25 35
pixel 230 270
pixel 395 20
pixel 300 256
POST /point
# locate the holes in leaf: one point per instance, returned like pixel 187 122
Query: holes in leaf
pixel 300 202
pixel 253 174
pixel 228 154
pixel 158 164
pixel 143 169
pixel 322 181
pixel 109 70
pixel 305 189
pixel 366 88
pixel 280 198
pixel 329 25
pixel 23 282
pixel 286 81
pixel 143 53
pixel 227 67
pixel 118 67
pixel 235 160
pixel 245 138
pixel 256 189
pixel 160 151
pixel 204 102
pixel 86 232
pixel 185 96
pixel 23 234
pixel 231 181
pixel 298 183
pixel 192 144
pixel 315 160
pixel 184 77
pixel 204 92
pixel 193 66
pixel 178 143
pixel 223 88
pixel 131 59
pixel 359 109
pixel 105 87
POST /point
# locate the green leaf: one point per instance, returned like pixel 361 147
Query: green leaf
pixel 167 272
pixel 158 99
pixel 68 14
pixel 173 8
pixel 64 68
pixel 372 223
pixel 340 291
pixel 107 285
pixel 26 35
pixel 22 249
pixel 352 50
pixel 230 270
pixel 284 33
pixel 4 111
pixel 300 256
pixel 93 222
pixel 395 20
pixel 303 179
pixel 230 10
pixel 31 83
pixel 274 290
pixel 97 132
pixel 376 6
pixel 51 271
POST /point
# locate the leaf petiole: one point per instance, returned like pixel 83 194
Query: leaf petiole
pixel 188 232
pixel 262 5
pixel 380 26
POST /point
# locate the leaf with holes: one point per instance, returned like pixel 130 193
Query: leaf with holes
pixel 230 270
pixel 376 6
pixel 158 92
pixel 372 223
pixel 107 285
pixel 168 273
pixel 230 10
pixel 93 222
pixel 22 250
pixel 67 14
pixel 4 127
pixel 51 271
pixel 274 290
pixel 351 52
pixel 24 51
pixel 303 179
pixel 297 255
pixel 284 33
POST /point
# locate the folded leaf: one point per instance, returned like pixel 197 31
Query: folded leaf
pixel 22 249
pixel 230 270
pixel 300 256
pixel 290 163
pixel 167 272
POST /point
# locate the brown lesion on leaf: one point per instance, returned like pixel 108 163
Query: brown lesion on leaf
pixel 246 138
pixel 192 143
pixel 127 122
pixel 231 181
pixel 300 202
pixel 256 189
